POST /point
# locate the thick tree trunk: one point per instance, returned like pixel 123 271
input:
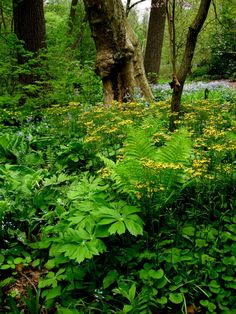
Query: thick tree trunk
pixel 119 58
pixel 29 27
pixel 155 37
pixel 185 66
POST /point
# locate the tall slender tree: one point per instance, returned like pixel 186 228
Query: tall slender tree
pixel 72 16
pixel 155 37
pixel 119 58
pixel 29 27
pixel 179 76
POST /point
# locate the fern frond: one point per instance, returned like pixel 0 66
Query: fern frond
pixel 177 150
pixel 118 174
pixel 147 170
pixel 139 144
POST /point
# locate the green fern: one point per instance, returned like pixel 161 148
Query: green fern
pixel 177 150
pixel 139 144
pixel 150 172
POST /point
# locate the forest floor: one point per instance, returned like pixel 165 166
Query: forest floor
pixel 198 85
pixel 229 83
pixel 194 89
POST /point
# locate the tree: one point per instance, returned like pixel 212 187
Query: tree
pixel 156 27
pixel 179 76
pixel 72 16
pixel 29 27
pixel 119 58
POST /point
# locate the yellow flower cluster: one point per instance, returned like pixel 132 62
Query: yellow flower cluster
pixel 104 172
pixel 151 164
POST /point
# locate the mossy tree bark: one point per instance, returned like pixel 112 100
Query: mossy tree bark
pixel 155 37
pixel 185 66
pixel 119 60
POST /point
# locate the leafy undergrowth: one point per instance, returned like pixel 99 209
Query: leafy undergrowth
pixel 103 210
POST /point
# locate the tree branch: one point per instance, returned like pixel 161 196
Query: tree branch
pixel 216 14
pixel 129 7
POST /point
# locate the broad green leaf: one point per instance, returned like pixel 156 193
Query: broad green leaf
pixel 127 308
pixel 44 244
pixel 107 221
pixel 36 262
pixel 176 298
pixel 156 274
pixel 231 285
pixel 133 227
pixel 107 212
pixel 229 260
pixel 18 260
pixel 60 271
pixel 53 293
pixel 50 264
pixel 228 278
pixel 214 286
pixel 110 278
pixel 161 283
pixel 5 266
pixel 76 219
pixel 128 210
pixel 162 300
pixel 47 283
pixel 117 227
pixel 1 259
pixel 189 231
pixel 102 231
pixel 204 303
pixel 122 292
pixel 132 292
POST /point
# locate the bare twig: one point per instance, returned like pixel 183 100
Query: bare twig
pixel 129 7
pixel 215 12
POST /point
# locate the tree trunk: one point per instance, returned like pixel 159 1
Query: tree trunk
pixel 119 58
pixel 72 16
pixel 155 37
pixel 185 65
pixel 29 27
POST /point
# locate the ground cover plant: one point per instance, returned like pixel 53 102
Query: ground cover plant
pixel 103 210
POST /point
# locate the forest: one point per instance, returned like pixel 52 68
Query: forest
pixel 117 156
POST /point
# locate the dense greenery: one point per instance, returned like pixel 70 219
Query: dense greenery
pixel 103 209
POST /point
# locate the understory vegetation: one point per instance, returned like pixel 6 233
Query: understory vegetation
pixel 103 210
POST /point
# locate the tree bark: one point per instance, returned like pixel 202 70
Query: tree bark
pixel 29 23
pixel 155 37
pixel 29 27
pixel 185 65
pixel 119 58
pixel 72 16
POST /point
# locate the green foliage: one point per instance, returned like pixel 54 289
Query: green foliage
pixel 154 175
pixel 102 209
pixel 223 48
pixel 153 230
